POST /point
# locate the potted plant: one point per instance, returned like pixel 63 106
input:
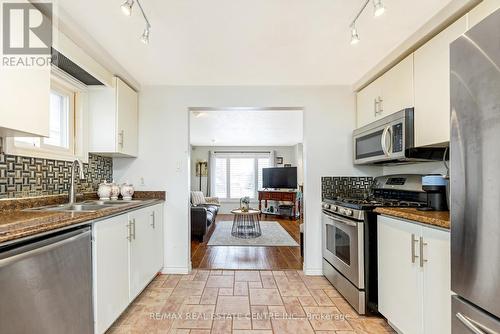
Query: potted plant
pixel 245 203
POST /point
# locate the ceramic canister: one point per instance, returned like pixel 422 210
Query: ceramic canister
pixel 115 191
pixel 104 191
pixel 127 191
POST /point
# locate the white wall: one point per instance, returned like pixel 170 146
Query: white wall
pixel 164 152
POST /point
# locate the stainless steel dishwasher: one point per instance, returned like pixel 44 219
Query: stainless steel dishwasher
pixel 46 285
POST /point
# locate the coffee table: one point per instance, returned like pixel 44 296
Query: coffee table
pixel 246 224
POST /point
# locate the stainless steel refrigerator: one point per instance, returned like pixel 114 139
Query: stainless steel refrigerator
pixel 475 178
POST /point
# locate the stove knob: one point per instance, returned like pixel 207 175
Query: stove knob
pixel 326 206
pixel 348 212
pixel 333 207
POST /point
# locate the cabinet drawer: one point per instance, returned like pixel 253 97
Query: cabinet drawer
pixel 275 196
pixel 288 197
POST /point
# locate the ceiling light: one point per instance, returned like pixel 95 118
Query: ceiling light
pixel 354 35
pixel 378 8
pixel 127 10
pixel 127 7
pixel 145 36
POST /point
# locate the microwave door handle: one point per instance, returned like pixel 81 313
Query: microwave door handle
pixel 383 141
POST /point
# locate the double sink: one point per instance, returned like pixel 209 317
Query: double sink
pixel 87 206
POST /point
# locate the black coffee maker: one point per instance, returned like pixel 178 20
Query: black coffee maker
pixel 435 187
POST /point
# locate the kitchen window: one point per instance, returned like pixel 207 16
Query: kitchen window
pixel 238 175
pixel 65 126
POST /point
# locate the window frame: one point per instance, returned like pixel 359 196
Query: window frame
pixel 246 155
pixel 77 92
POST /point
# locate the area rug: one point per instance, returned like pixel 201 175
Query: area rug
pixel 272 235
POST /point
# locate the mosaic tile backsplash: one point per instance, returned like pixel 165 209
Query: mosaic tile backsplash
pixel 28 177
pixel 345 186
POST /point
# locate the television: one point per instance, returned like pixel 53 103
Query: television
pixel 279 177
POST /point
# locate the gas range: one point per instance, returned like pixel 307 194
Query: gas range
pixel 387 191
pixel 355 208
pixel 350 236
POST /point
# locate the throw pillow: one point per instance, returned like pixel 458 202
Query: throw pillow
pixel 197 198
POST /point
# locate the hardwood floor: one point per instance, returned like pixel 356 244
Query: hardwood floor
pixel 249 257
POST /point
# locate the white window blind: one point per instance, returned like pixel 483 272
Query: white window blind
pixel 220 179
pixel 239 174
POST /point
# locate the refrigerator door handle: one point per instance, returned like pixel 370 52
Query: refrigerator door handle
pixel 472 325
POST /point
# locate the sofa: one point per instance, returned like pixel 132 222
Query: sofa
pixel 203 214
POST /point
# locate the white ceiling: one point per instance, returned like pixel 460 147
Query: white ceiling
pixel 249 42
pixel 241 127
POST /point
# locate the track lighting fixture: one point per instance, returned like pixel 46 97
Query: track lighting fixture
pixel 378 9
pixel 145 36
pixel 354 35
pixel 127 7
pixel 127 10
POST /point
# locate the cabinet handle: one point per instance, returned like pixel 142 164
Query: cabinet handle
pixel 380 105
pixel 375 107
pixel 120 138
pixel 422 244
pixel 129 230
pixel 413 254
pixel 133 228
pixel 153 223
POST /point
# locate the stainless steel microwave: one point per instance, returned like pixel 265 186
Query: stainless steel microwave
pixel 391 140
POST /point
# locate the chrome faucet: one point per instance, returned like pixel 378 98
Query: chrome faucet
pixel 72 190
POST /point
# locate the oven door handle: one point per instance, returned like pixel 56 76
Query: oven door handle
pixel 340 220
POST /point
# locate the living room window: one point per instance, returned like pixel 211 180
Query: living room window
pixel 238 175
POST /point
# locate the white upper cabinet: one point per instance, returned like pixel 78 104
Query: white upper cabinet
pixel 367 101
pixel 397 87
pixel 432 87
pixel 390 93
pixel 24 101
pixel 481 11
pixel 114 120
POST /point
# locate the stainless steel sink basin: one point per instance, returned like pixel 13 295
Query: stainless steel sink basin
pixel 74 207
pixel 87 206
pixel 110 202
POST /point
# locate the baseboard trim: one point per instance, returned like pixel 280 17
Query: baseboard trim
pixel 175 270
pixel 313 272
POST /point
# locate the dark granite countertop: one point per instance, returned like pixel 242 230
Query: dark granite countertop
pixel 19 223
pixel 434 218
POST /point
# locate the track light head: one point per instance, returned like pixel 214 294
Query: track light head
pixel 145 35
pixel 127 7
pixel 378 8
pixel 354 35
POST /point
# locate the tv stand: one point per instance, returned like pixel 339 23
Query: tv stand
pixel 280 195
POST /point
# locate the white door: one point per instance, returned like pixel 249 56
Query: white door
pixel 140 250
pixel 432 86
pixel 127 114
pixel 111 270
pixel 399 275
pixel 397 87
pixel 437 281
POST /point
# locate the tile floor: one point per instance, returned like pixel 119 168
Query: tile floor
pixel 244 302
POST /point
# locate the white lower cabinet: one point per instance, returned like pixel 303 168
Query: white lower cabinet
pixel 127 254
pixel 414 292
